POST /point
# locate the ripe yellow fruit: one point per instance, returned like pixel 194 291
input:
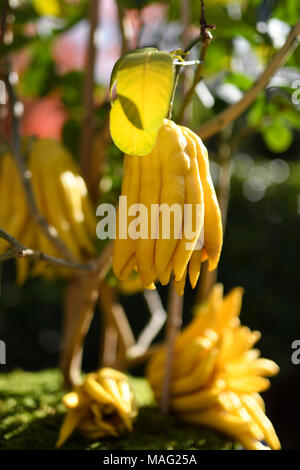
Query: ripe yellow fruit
pixel 174 176
pixel 62 198
pixel 216 375
pixel 103 405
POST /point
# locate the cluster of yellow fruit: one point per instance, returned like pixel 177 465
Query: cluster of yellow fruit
pixel 175 172
pixel 217 376
pixel 62 198
pixel 103 405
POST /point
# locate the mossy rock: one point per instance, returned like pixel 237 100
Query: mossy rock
pixel 31 413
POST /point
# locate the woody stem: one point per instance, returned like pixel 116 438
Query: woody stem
pixel 173 326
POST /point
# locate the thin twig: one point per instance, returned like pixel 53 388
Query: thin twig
pixel 206 38
pixel 187 72
pixel 88 94
pixel 79 311
pixel 21 251
pixel 175 302
pixel 204 34
pixel 115 325
pixel 176 78
pixel 8 255
pixel 133 361
pixel 81 299
pixel 173 326
pixel 230 114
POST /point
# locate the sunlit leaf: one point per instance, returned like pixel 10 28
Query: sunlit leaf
pixel 115 69
pixel 144 82
pixel 129 138
pixel 47 8
pixel 277 136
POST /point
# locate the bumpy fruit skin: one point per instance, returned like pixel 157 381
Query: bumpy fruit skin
pixel 102 406
pixel 176 172
pixel 61 196
pixel 217 376
pixel 213 231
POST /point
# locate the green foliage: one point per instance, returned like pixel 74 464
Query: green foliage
pixel 25 15
pixel 144 82
pixel 267 114
pixel 40 76
pixel 277 135
pixel 257 112
pixel 288 11
pixel 31 414
pixel 71 88
pixel 242 81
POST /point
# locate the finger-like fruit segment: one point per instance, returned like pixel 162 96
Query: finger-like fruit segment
pixel 169 189
pixel 213 231
pixel 103 405
pixel 216 375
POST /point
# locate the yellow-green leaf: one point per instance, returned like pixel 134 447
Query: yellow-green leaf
pixel 47 7
pixel 144 83
pixel 113 76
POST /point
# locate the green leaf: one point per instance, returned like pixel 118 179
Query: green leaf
pixel 39 78
pixel 287 11
pixel 144 82
pixel 277 136
pixel 292 117
pixel 114 72
pixel 47 8
pixel 242 81
pixel 257 111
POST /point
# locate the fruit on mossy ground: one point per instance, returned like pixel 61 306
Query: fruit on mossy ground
pixel 31 414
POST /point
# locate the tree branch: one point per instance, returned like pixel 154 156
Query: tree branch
pixel 230 114
pixel 153 327
pixel 25 176
pixel 21 251
pixel 88 94
pixel 115 326
pixel 206 38
pixel 173 326
pixel 175 302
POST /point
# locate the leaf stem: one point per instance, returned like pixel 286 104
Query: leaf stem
pixel 205 37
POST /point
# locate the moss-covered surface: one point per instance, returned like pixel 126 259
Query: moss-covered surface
pixel 31 414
